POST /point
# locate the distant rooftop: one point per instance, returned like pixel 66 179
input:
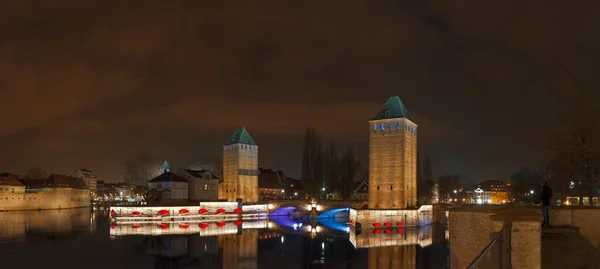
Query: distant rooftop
pixel 200 173
pixel 392 109
pixel 241 136
pixel 167 177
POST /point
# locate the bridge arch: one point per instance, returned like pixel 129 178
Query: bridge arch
pixel 336 213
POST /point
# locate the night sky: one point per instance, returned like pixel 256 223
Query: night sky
pixel 90 85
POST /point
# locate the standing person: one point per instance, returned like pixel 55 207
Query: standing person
pixel 546 195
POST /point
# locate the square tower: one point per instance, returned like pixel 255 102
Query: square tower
pixel 392 158
pixel 240 168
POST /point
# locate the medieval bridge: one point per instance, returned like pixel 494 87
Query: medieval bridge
pixel 321 208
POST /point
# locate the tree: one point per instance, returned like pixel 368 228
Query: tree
pixel 311 155
pixel 574 150
pixel 37 173
pixel 350 167
pixel 330 169
pixel 142 168
pixel 215 166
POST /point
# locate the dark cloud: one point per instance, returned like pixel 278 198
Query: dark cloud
pixel 90 84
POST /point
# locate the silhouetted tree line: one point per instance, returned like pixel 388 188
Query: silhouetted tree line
pixel 323 168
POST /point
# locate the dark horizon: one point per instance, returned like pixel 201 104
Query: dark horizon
pixel 90 85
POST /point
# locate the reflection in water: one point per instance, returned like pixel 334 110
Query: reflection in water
pixel 267 244
pixel 19 225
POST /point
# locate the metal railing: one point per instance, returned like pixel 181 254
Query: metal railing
pixel 497 253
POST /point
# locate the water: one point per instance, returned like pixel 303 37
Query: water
pixel 81 239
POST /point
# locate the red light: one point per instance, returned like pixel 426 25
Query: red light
pixel 238 222
pixel 400 231
pixel 400 223
pixel 183 211
pixel 377 231
pixel 220 210
pixel 164 226
pixel 387 224
pixel 221 224
pixel 184 226
pixel 202 211
pixel 163 212
pixel 113 226
pixel 388 231
pixel 113 213
pixel 376 224
pixel 237 211
pixel 203 225
pixel 137 226
pixel 136 213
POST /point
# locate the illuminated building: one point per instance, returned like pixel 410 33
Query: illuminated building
pixel 392 158
pixel 494 192
pixel 240 168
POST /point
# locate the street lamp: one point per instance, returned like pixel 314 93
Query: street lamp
pixel 531 191
pixel 323 189
pixel 455 191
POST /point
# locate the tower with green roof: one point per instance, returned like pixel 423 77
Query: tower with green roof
pixel 240 168
pixel 392 158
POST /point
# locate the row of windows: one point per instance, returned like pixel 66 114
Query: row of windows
pixel 241 147
pixel 248 172
pixel 391 126
pixel 391 187
pixel 19 198
pixel 207 188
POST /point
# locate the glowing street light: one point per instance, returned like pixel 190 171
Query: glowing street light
pixel 455 191
pixel 323 189
pixel 531 191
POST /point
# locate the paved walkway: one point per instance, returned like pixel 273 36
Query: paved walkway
pixel 565 248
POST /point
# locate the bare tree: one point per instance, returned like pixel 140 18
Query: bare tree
pixel 574 150
pixel 215 166
pixel 37 173
pixel 330 168
pixel 142 168
pixel 311 155
pixel 350 167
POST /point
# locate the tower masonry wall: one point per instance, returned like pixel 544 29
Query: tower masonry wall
pixel 392 164
pixel 240 173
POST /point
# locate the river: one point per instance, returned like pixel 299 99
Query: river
pixel 84 239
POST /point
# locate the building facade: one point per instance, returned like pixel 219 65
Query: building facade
pixel 240 168
pixel 88 177
pixel 392 158
pixel 270 184
pixel 55 192
pixel 203 185
pixel 168 185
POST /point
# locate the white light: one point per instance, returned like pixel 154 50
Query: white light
pixel 479 201
pixel 489 201
pixel 323 189
pixel 531 192
pixel 455 191
pixel 282 240
pixel 323 246
pixel 282 191
pixel 295 194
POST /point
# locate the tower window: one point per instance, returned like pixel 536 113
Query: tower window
pixel 382 126
pixel 390 126
pixel 397 125
pixel 374 127
pixel 377 187
pixel 391 188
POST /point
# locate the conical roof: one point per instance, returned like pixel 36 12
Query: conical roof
pixel 241 136
pixel 392 109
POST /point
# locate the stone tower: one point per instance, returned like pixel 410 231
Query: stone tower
pixel 240 168
pixel 392 158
